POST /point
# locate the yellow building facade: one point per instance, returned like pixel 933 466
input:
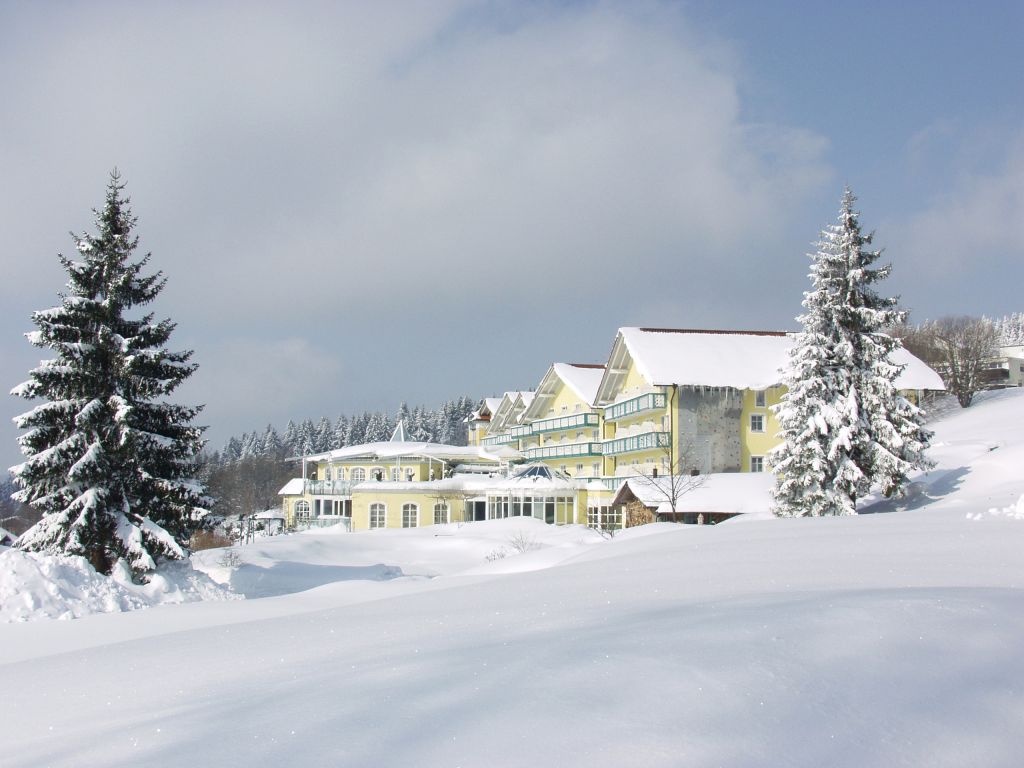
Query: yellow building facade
pixel 667 402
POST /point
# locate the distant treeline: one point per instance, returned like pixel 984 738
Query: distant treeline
pixel 1009 330
pixel 446 425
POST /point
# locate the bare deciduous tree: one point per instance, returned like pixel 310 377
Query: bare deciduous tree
pixel 958 348
pixel 680 477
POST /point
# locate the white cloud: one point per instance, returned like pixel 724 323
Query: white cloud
pixel 975 223
pixel 379 170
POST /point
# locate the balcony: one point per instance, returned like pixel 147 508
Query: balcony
pixel 563 451
pixel 559 423
pixel 495 440
pixel 643 442
pixel 329 487
pixel 521 431
pixel 650 402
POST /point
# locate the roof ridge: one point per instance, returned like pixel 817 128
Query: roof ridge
pixel 721 332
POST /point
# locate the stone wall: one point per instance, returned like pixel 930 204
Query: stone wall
pixel 709 428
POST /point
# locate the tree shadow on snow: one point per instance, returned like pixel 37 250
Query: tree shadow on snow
pixel 285 578
pixel 921 493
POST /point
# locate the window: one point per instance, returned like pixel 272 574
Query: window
pixel 378 515
pixel 396 474
pixel 327 473
pixel 757 422
pixel 358 475
pixel 410 515
pixel 440 514
pixel 596 469
pixel 301 510
pixel 759 399
pixel 409 475
pixel 579 470
pixel 757 463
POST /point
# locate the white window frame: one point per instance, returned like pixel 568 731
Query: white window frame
pixel 357 475
pixel 760 398
pixel 760 417
pixel 396 474
pixel 759 463
pixel 447 517
pixel 415 508
pixel 381 509
pixel 302 510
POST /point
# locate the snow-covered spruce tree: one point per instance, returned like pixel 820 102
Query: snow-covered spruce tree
pixel 110 464
pixel 845 426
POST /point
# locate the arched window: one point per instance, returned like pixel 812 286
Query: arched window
pixel 301 510
pixel 410 515
pixel 358 475
pixel 327 473
pixel 440 514
pixel 378 515
pixel 377 473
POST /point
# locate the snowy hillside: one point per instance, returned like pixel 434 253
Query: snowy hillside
pixel 879 640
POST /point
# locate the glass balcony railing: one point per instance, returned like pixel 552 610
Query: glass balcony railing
pixel 642 442
pixel 649 402
pixel 558 423
pixel 329 487
pixel 563 450
pixel 503 439
pixel 521 431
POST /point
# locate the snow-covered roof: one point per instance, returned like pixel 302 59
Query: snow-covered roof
pixel 582 379
pixel 512 406
pixel 712 358
pixel 720 492
pixel 294 487
pixel 271 514
pixel 744 360
pixel 395 449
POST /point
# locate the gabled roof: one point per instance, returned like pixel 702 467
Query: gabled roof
pixel 510 411
pixel 737 359
pixel 582 379
pixel 485 410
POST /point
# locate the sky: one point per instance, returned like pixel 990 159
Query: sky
pixel 357 204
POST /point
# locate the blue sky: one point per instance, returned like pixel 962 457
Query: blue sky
pixel 356 204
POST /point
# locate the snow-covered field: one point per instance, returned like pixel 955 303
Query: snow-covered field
pixel 889 639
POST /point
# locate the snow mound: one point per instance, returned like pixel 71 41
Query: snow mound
pixel 1015 511
pixel 35 586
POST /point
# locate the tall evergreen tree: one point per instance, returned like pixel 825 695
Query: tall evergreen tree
pixel 340 432
pixel 324 436
pixel 357 430
pixel 271 444
pixel 845 426
pixel 291 438
pixel 109 464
